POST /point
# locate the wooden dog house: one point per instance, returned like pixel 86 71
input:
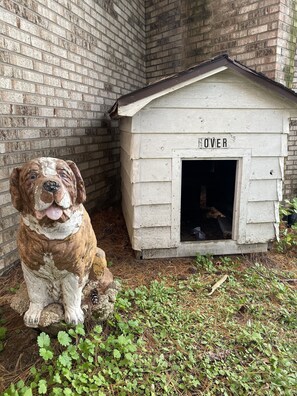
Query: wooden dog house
pixel 202 156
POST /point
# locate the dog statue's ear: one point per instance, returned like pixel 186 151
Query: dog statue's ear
pixel 80 185
pixel 15 190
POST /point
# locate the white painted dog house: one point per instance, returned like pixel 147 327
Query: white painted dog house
pixel 202 156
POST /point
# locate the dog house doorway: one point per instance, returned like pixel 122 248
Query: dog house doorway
pixel 207 199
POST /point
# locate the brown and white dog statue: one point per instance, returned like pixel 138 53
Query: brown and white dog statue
pixel 56 241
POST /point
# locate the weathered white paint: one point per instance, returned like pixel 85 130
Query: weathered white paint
pixel 209 120
pixel 161 145
pixel 39 205
pixel 48 166
pixel 126 142
pixel 212 93
pixel 151 193
pixel 133 108
pixel 131 144
pixel 149 238
pixel 127 164
pixel 223 116
pixel 208 247
pixel 261 212
pixel 38 295
pixel 147 169
pixel 263 190
pixel 263 168
pixel 72 292
pixel 152 216
pixel 260 233
pixel 128 212
pixel 58 230
pixel 126 123
pixel 126 183
pixel 65 202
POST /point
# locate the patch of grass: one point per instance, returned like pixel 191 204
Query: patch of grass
pixel 172 338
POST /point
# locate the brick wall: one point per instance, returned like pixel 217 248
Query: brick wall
pixel 62 65
pixel 287 46
pixel 286 43
pixel 196 30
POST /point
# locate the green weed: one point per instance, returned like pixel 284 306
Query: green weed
pixel 288 236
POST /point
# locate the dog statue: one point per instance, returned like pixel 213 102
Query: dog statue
pixel 56 241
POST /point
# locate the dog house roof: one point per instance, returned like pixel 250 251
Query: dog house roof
pixel 130 104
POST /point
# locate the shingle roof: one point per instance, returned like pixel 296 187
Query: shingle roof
pixel 172 82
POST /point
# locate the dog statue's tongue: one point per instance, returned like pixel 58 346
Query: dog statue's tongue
pixel 54 212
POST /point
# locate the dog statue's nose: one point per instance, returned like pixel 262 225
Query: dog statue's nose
pixel 51 186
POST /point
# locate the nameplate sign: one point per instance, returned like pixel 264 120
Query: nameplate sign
pixel 212 143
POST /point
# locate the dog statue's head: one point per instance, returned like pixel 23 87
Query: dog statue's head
pixel 47 188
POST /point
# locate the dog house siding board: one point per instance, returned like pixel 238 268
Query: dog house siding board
pixel 152 216
pixel 126 182
pixel 262 145
pixel 131 143
pixel 263 190
pixel 127 211
pixel 160 120
pixel 161 145
pixel 126 141
pixel 146 170
pixel 151 169
pixel 126 124
pixel 148 238
pixel 127 164
pixel 266 168
pixel 151 193
pixel 261 212
pixel 260 233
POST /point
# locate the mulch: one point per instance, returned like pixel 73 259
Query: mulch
pixel 20 350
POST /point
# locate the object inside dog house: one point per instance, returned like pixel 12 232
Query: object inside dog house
pixel 202 156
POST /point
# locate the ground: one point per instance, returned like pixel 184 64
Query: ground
pixel 20 351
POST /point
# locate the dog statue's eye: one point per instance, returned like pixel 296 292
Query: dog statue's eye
pixel 63 174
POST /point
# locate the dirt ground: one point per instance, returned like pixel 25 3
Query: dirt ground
pixel 20 351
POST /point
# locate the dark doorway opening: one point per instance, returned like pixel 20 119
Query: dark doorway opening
pixel 207 199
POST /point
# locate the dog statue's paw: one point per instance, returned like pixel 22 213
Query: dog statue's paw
pixel 74 316
pixel 32 316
